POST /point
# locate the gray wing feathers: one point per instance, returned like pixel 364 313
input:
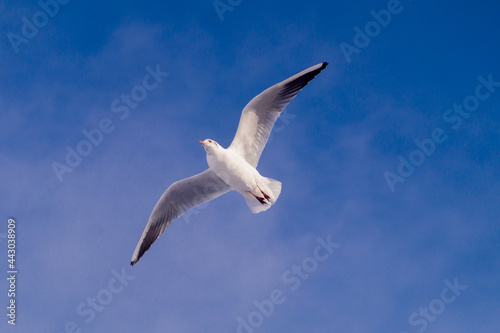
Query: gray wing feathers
pixel 258 116
pixel 180 197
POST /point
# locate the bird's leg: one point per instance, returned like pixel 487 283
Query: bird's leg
pixel 265 195
pixel 261 199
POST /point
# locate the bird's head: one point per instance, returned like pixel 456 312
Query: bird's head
pixel 211 146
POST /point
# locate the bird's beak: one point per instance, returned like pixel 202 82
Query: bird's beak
pixel 203 143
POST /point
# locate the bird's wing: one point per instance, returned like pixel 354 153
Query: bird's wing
pixel 258 116
pixel 180 197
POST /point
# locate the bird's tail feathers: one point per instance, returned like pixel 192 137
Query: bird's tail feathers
pixel 271 188
pixel 274 187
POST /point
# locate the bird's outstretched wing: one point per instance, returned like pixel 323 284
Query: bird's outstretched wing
pixel 258 116
pixel 180 197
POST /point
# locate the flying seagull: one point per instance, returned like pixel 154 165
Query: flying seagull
pixel 233 168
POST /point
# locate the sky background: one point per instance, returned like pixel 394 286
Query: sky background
pixel 340 135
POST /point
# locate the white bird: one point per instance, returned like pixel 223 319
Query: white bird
pixel 233 168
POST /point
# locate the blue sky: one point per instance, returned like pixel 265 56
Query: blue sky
pixel 414 256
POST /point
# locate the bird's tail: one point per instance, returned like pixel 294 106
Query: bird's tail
pixel 267 193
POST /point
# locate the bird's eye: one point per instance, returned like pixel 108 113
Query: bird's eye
pixel 210 141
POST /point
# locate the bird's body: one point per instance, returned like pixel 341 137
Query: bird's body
pixel 236 172
pixel 234 168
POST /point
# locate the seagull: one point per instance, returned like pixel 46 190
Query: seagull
pixel 232 168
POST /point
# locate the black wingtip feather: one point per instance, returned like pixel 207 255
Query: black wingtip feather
pixel 292 88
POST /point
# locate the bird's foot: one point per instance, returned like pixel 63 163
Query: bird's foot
pixel 264 193
pixel 261 199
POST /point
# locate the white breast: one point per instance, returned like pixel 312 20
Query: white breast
pixel 233 169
